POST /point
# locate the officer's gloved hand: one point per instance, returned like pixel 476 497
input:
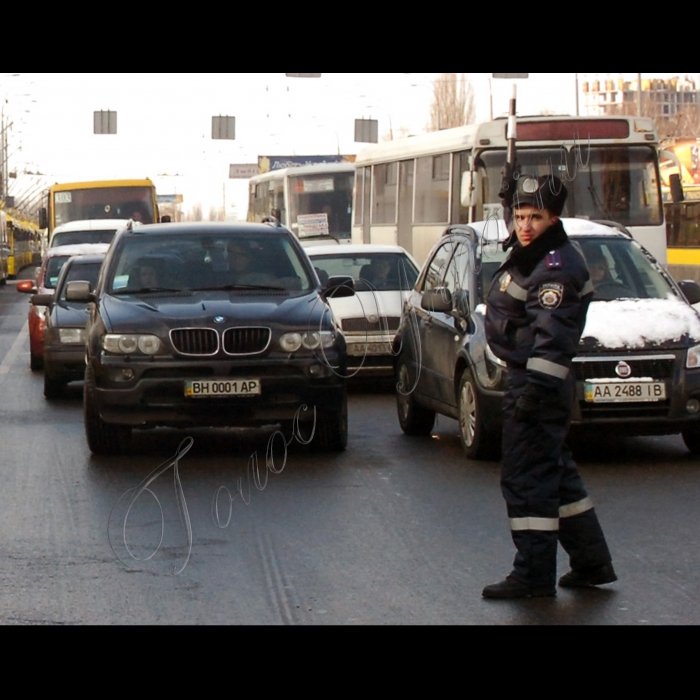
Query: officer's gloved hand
pixel 529 404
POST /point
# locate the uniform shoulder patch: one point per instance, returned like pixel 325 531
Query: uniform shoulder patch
pixel 553 260
pixel 551 296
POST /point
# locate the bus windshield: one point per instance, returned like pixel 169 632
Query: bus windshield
pixel 617 183
pixel 104 203
pixel 321 204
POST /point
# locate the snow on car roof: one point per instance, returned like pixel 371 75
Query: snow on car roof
pixel 77 249
pixel 92 225
pixel 496 231
pixel 354 249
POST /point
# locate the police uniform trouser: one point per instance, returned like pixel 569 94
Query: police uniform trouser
pixel 546 500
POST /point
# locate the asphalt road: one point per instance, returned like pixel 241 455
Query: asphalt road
pixel 395 531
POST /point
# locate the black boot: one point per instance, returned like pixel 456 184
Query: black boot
pixel 587 578
pixel 514 588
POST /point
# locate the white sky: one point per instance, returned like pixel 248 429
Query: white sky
pixel 164 121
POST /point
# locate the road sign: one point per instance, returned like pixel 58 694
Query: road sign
pixel 510 75
pixel 105 122
pixel 366 131
pixel 223 128
pixel 243 171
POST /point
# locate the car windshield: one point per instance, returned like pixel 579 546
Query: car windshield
pixel 619 269
pixel 79 272
pixel 53 270
pixel 380 271
pixel 204 262
pixel 80 237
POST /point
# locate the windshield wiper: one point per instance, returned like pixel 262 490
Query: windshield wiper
pixel 146 290
pixel 239 287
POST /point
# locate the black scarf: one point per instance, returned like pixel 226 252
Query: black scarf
pixel 526 258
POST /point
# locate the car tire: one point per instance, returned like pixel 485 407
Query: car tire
pixel 36 363
pixel 53 386
pixel 691 438
pixel 413 419
pixel 332 427
pixel 103 438
pixel 477 441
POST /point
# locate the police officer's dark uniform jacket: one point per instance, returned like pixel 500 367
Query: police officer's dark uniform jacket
pixel 536 312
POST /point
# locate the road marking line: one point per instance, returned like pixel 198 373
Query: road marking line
pixel 17 347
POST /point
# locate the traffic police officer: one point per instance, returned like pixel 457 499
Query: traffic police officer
pixel 536 314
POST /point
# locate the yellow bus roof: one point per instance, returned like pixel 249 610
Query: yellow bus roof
pixel 95 184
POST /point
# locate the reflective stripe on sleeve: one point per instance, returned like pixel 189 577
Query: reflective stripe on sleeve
pixel 546 367
pixel 517 292
pixel 576 508
pixel 537 524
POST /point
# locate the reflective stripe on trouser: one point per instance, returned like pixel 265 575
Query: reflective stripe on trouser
pixel 580 533
pixel 539 478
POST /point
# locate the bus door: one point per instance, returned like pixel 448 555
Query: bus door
pixel 405 209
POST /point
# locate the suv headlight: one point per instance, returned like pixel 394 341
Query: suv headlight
pixel 128 344
pixel 310 340
pixel 692 361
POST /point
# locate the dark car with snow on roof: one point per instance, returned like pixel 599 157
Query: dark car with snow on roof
pixel 638 366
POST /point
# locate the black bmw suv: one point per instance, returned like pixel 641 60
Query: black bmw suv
pixel 211 325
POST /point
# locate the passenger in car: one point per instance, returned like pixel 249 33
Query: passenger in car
pixel 241 270
pixel 606 286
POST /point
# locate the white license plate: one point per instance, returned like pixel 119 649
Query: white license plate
pixel 206 389
pixel 362 349
pixel 625 392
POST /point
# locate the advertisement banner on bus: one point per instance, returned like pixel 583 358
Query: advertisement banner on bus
pixel 267 164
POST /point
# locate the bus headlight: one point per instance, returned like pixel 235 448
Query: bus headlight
pixel 131 344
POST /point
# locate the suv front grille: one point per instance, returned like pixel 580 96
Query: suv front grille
pixel 204 342
pixel 246 341
pixel 195 341
pixel 363 325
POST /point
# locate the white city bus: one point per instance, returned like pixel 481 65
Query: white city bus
pixel 407 191
pixel 314 201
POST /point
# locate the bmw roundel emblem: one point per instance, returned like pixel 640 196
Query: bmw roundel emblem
pixel 219 319
pixel 623 370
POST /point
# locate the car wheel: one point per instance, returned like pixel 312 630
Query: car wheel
pixel 36 363
pixel 414 419
pixel 53 386
pixel 478 443
pixel 332 427
pixel 691 438
pixel 103 438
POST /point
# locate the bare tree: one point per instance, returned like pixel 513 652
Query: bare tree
pixel 195 213
pixel 217 213
pixel 453 102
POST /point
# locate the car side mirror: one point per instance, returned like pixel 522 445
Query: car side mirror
pixel 26 287
pixel 691 291
pixel 339 287
pixel 438 301
pixel 79 292
pixel 677 194
pixel 42 300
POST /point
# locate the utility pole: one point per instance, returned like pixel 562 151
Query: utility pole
pixel 639 94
